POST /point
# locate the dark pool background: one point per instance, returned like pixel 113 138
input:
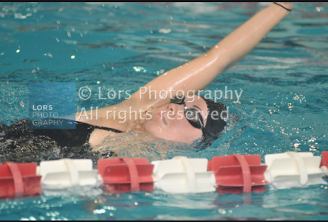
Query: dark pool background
pixel 122 46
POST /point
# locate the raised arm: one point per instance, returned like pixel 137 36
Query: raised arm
pixel 200 72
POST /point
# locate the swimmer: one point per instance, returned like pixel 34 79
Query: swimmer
pixel 184 116
pixel 178 115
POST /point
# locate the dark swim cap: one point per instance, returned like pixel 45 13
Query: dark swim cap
pixel 216 121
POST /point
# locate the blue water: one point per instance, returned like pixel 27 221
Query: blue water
pixel 122 46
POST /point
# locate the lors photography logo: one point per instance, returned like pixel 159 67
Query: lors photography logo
pixel 48 101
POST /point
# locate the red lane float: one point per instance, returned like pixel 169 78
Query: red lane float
pixel 324 161
pixel 238 173
pixel 18 180
pixel 126 174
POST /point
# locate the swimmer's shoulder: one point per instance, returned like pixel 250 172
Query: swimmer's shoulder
pixel 98 135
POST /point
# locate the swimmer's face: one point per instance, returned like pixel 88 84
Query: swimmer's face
pixel 169 121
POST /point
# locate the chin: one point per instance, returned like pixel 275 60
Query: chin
pixel 151 127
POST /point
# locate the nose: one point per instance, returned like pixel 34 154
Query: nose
pixel 174 110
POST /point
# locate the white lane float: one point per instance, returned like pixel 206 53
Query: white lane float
pixel 65 173
pixel 183 175
pixel 234 173
pixel 293 169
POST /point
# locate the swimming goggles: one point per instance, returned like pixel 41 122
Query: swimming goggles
pixel 192 115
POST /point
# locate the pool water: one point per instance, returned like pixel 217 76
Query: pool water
pixel 122 46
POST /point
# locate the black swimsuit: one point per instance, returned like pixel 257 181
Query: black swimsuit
pixel 72 137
